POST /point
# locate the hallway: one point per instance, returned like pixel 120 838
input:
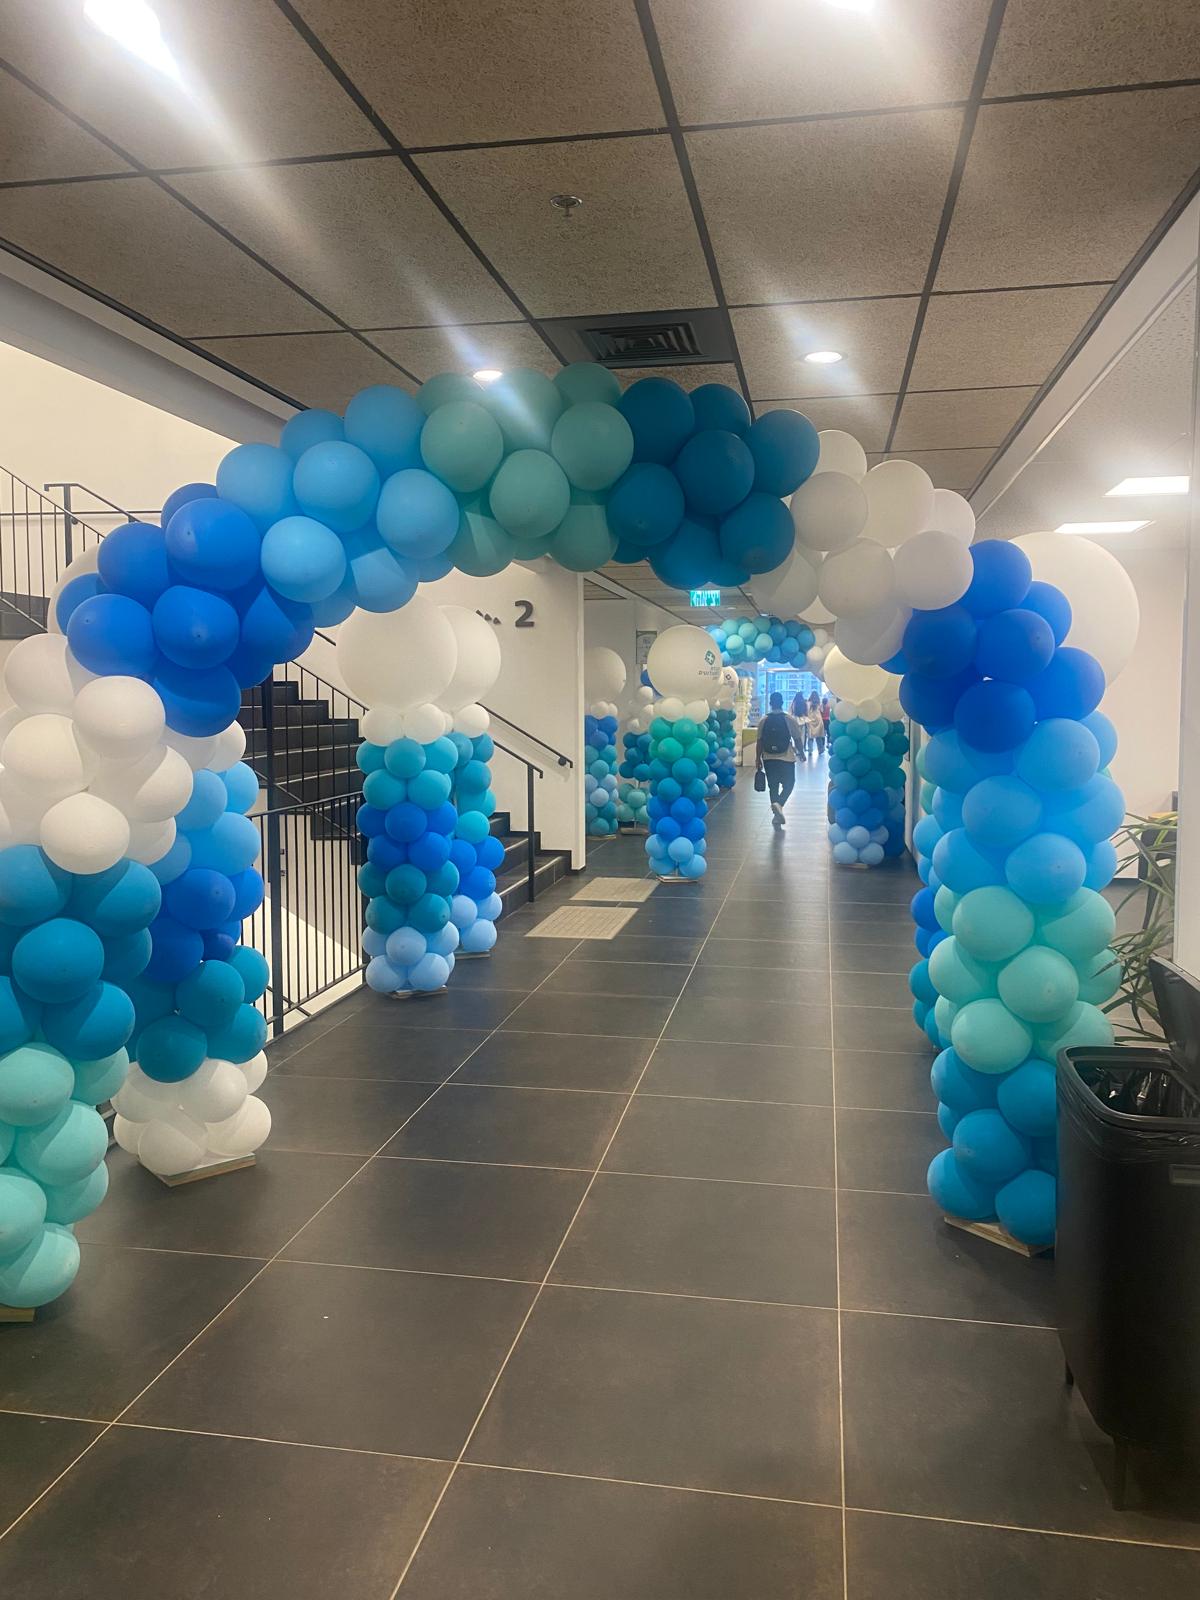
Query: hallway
pixel 608 1275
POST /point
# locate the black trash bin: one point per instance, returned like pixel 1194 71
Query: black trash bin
pixel 1128 1241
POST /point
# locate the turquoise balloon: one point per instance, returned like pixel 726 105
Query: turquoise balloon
pixel 945 903
pixel 526 404
pixel 585 381
pixel 1028 1098
pixel 65 1149
pixel 593 444
pixel 446 387
pixel 959 976
pixel 35 1085
pixel 1083 1025
pixel 404 758
pixel 583 540
pixel 71 1202
pixel 462 443
pixel 1038 985
pixel 42 1271
pixel 22 1211
pixel 992 924
pixel 251 966
pixel 481 547
pixel 530 494
pixel 988 1150
pixel 989 1038
pixel 210 994
pixel 97 1081
pixel 1080 928
pixel 1099 977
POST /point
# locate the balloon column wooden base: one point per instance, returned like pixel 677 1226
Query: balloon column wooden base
pixel 995 1234
pixel 17 1313
pixel 212 1169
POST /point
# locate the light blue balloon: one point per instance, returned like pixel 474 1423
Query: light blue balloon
pixel 381 583
pixel 337 484
pixel 307 428
pixel 1060 753
pixel 63 1150
pixel 303 559
pixel 383 977
pixel 444 942
pixel 463 911
pixel 405 947
pixel 1046 869
pixel 241 787
pixel 1000 812
pixel 42 1271
pixel 429 973
pixel 373 942
pixel 491 907
pixel 386 422
pixel 22 1211
pixel 479 937
pixel 257 478
pixel 417 515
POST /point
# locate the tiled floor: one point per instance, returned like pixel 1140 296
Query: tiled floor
pixel 608 1275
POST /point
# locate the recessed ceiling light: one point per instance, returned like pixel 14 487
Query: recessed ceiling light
pixel 824 358
pixel 135 27
pixel 1169 485
pixel 487 375
pixel 1101 527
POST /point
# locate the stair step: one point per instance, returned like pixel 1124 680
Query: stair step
pixel 289 713
pixel 513 886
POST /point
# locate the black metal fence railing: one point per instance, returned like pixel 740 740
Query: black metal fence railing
pixel 38 541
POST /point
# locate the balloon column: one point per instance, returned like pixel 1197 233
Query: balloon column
pixel 683 664
pixel 634 773
pixel 866 782
pixel 742 644
pixel 604 680
pixel 1012 925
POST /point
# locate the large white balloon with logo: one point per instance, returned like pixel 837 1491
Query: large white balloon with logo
pixel 684 662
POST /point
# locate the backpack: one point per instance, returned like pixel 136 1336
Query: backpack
pixel 774 735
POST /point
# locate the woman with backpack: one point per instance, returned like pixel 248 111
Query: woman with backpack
pixel 780 741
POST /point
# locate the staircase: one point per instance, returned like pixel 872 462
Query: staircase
pixel 22 615
pixel 512 880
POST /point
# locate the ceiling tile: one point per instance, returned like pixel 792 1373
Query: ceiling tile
pixel 686 377
pixel 36 141
pixel 632 246
pixel 1079 43
pixel 978 341
pixel 362 236
pixel 251 88
pixel 501 345
pixel 955 419
pixel 812 209
pixel 457 71
pixel 133 242
pixel 873 336
pixel 1065 190
pixel 949 469
pixel 780 58
pixel 867 416
pixel 317 369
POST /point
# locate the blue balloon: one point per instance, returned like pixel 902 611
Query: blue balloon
pixel 716 405
pixel 1053 605
pixel 177 859
pixel 940 644
pixel 1046 869
pixel 1001 578
pixel 307 428
pixel 95 1024
pixel 19 1016
pixel 133 561
pixel 123 899
pixel 257 478
pixel 211 994
pixel 386 422
pixel 1095 812
pixel 302 559
pixel 182 497
pixel 987 1150
pixel 1060 754
pixel 715 470
pixel 251 966
pixel 73 594
pixel 229 846
pixel 383 978
pixel 961 866
pixel 207 802
pixel 126 956
pixel 111 634
pixel 994 716
pixel 1026 1206
pixel 201 898
pixel 337 607
pixel 171 1049
pixel 240 783
pixel 336 483
pixel 1000 812
pixel 1105 735
pixel 273 629
pixel 194 628
pixel 758 535
pixel 381 582
pixel 196 702
pixel 932 701
pixel 785 447
pixel 213 545
pixel 1071 686
pixel 176 950
pixel 661 417
pixel 957 1192
pixel 417 514
pixel 1014 645
pixel 240 1039
pixel 58 961
pixel 32 888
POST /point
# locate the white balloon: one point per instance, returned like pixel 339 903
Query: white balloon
pixel 42 755
pixel 829 511
pixel 697 710
pixel 41 674
pixel 242 1133
pixel 1104 603
pixel 684 661
pixel 255 1071
pixel 9 720
pixel 671 709
pixel 400 658
pixel 471 721
pixel 381 724
pixel 478 657
pixel 874 637
pixel 423 723
pixel 841 452
pixel 141 1099
pixel 900 497
pixel 150 841
pixel 603 673
pixel 174 1146
pixel 858 579
pixel 869 710
pixel 127 1134
pixel 151 789
pixel 22 807
pixel 84 833
pixel 199 753
pixel 120 718
pixel 215 1092
pixel 952 514
pixel 817 611
pixel 228 748
pixel 86 561
pixel 797 586
pixel 933 569
pixel 846 710
pixel 851 680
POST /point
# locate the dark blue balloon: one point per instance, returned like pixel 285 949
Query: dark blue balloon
pixel 370 821
pixel 382 851
pixel 213 545
pixel 785 447
pixel 922 910
pixel 200 898
pixel 274 627
pixel 194 628
pixel 645 506
pixel 716 471
pixel 184 495
pixel 1053 605
pixel 1071 686
pixel 931 701
pixel 1014 645
pixel 73 594
pixel 661 417
pixel 758 535
pixel 1001 580
pixel 940 644
pixel 133 561
pixel 177 949
pixel 994 716
pixel 197 702
pixel 718 406
pixel 112 634
pixel 490 853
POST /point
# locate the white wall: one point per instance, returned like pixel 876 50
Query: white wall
pixel 612 625
pixel 1143 704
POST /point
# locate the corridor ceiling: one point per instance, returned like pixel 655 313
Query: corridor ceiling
pixel 344 192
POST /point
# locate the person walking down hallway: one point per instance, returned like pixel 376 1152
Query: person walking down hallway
pixel 799 711
pixel 780 741
pixel 815 721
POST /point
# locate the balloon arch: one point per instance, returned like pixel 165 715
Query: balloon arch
pixel 128 856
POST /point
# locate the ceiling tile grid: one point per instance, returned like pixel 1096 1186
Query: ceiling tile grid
pixel 873 336
pixel 1079 44
pixel 992 340
pixel 315 369
pixel 493 346
pixel 959 419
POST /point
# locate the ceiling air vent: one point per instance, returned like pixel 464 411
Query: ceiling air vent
pixel 693 337
pixel 644 344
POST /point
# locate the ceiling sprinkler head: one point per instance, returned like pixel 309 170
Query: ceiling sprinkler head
pixel 566 203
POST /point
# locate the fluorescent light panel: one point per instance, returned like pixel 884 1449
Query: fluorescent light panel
pixel 824 358
pixel 1147 486
pixel 1102 527
pixel 487 375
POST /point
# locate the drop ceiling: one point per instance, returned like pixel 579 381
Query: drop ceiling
pixel 356 191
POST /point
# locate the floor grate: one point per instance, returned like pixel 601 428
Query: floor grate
pixel 616 889
pixel 583 922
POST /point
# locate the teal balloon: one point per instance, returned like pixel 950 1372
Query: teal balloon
pixel 959 976
pixel 42 1271
pixel 988 1150
pixel 35 1084
pixel 32 888
pixel 404 758
pixel 1028 1098
pixel 530 494
pixel 22 1211
pixel 461 442
pixel 97 1024
pixel 57 961
pixel 957 1192
pixel 210 994
pixel 251 966
pixel 992 923
pixel 446 387
pixel 67 1203
pixel 989 1038
pixel 1099 977
pixel 481 547
pixel 65 1149
pixel 585 381
pixel 526 404
pixel 97 1081
pixel 1084 1025
pixel 1026 1207
pixel 19 1016
pixel 1038 985
pixel 593 444
pixel 945 903
pixel 170 1049
pixel 1080 928
pixel 583 540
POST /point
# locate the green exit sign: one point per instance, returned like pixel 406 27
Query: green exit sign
pixel 704 597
